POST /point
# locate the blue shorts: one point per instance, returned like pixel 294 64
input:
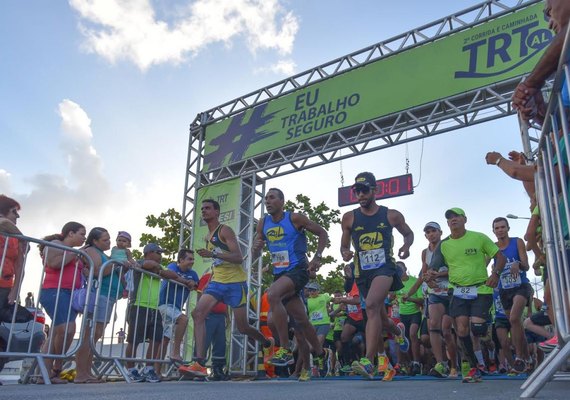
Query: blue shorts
pixel 104 310
pixel 64 313
pixel 233 295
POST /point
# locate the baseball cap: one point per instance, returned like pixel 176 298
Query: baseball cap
pixel 365 179
pixel 312 285
pixel 125 235
pixel 454 210
pixel 152 247
pixel 433 225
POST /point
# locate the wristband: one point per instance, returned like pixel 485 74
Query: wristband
pixel 498 161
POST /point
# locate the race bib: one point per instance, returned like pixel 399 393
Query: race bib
pixel 316 316
pixel 465 292
pixel 280 259
pixel 508 281
pixel 351 308
pixel 372 259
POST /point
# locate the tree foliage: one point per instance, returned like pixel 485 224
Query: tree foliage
pixel 168 223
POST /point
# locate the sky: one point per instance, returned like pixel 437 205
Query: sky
pixel 98 95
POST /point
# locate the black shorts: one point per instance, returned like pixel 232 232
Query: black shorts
pixel 424 327
pixel 478 307
pixel 502 323
pixel 434 299
pixel 366 277
pixel 507 295
pixel 299 275
pixel 409 320
pixel 144 324
pixel 359 325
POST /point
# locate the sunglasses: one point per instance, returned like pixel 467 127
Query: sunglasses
pixel 361 189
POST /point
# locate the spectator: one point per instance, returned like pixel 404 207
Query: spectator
pixel 172 298
pixel 98 241
pixel 62 271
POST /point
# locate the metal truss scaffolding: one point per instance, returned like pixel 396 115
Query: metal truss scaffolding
pixel 441 116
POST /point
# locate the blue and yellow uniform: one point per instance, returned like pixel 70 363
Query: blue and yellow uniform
pixel 228 283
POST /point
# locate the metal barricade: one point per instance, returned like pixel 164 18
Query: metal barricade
pixel 553 180
pixel 25 340
pixel 147 333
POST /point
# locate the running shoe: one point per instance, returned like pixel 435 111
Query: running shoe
pixel 389 374
pixel 323 362
pixel 416 369
pixel 402 340
pixel 439 371
pixel 282 357
pixel 482 369
pixel 314 372
pixel 150 376
pixel 304 376
pixel 519 366
pixel 364 368
pixel 453 373
pixel 503 369
pixel 346 369
pixel 549 345
pixel 269 351
pixel 465 368
pixel 474 376
pixel 492 368
pixel 194 368
pixel 383 363
pixel 135 376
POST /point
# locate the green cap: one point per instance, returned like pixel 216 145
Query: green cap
pixel 454 210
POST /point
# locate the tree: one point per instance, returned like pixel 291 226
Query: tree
pixel 320 214
pixel 333 281
pixel 169 223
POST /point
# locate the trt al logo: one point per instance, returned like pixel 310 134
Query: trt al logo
pixel 275 234
pixel 500 46
pixel 370 241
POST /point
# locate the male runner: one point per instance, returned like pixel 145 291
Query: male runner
pixel 515 290
pixel 228 285
pixel 284 234
pixel 369 229
pixel 466 253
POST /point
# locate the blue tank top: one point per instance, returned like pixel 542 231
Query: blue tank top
pixel 506 280
pixel 287 245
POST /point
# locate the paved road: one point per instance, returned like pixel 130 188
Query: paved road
pixel 290 390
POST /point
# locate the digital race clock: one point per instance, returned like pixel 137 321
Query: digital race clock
pixel 385 188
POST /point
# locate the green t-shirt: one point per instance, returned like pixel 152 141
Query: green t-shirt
pixel 148 291
pixel 317 308
pixel 409 307
pixel 339 319
pixel 466 259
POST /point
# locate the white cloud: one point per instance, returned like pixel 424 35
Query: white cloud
pixel 4 181
pixel 282 67
pixel 130 30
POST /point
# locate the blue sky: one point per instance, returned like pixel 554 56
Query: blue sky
pixel 97 97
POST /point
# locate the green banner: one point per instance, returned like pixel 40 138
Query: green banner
pixel 500 49
pixel 228 195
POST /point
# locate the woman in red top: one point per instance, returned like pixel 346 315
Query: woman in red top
pixel 11 252
pixel 62 275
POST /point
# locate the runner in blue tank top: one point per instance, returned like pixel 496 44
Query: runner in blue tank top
pixel 284 234
pixel 369 230
pixel 515 290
